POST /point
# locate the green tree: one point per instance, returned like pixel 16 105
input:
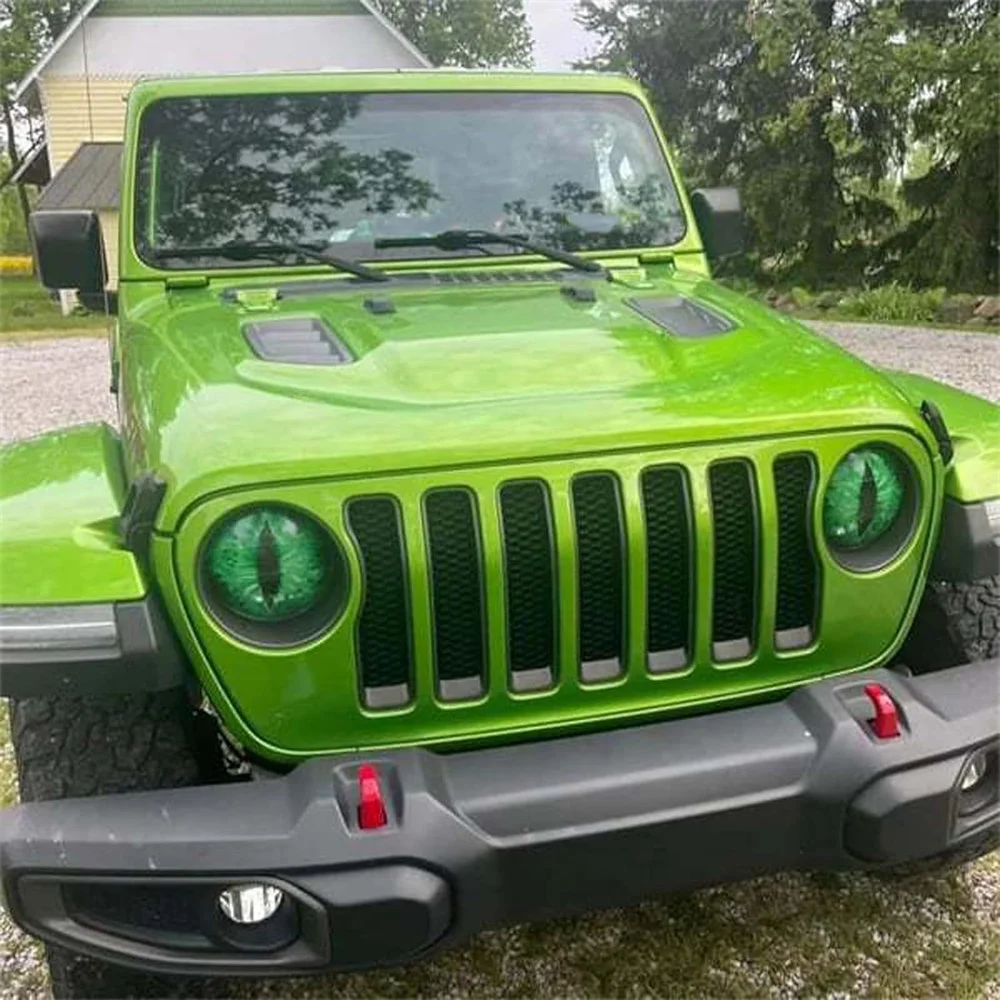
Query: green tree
pixel 469 33
pixel 953 241
pixel 810 105
pixel 27 28
pixel 13 234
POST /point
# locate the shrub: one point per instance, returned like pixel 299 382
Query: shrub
pixel 894 303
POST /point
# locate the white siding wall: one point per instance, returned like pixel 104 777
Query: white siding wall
pixel 79 110
pixel 109 230
pixel 153 46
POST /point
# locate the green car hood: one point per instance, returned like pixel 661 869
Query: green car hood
pixel 464 374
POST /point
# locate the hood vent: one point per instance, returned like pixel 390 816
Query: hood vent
pixel 682 316
pixel 297 342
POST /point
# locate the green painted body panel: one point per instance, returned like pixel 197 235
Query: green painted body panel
pixel 472 384
pixel 974 425
pixel 464 376
pixel 60 496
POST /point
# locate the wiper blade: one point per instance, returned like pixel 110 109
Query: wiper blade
pixel 274 251
pixel 463 239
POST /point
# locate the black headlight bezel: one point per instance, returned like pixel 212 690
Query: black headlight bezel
pixel 890 546
pixel 298 630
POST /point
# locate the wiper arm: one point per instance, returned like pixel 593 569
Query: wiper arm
pixel 463 239
pixel 273 251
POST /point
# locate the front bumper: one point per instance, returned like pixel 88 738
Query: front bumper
pixel 487 837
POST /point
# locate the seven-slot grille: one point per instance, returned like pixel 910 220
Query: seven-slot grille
pixel 523 564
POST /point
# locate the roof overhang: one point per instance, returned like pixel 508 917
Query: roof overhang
pixel 90 179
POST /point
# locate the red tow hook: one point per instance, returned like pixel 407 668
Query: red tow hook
pixel 371 805
pixel 885 725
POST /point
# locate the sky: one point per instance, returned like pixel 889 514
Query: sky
pixel 558 38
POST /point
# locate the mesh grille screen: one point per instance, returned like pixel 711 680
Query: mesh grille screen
pixel 600 566
pixel 668 558
pixel 734 519
pixel 793 478
pixel 383 629
pixel 176 909
pixel 456 583
pixel 527 535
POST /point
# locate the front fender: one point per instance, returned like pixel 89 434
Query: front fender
pixel 61 495
pixel 969 545
pixel 974 425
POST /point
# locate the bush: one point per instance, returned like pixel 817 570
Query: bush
pixel 894 303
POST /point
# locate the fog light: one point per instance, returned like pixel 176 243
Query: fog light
pixel 975 771
pixel 252 903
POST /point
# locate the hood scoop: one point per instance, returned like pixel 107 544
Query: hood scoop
pixel 682 316
pixel 297 342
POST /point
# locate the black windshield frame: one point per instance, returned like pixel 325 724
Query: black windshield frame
pixel 613 106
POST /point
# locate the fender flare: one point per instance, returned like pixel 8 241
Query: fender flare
pixel 968 546
pixel 77 615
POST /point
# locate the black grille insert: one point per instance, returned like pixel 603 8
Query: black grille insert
pixel 734 592
pixel 601 575
pixel 383 626
pixel 798 572
pixel 457 593
pixel 668 568
pixel 530 580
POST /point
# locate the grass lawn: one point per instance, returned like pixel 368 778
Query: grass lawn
pixel 27 311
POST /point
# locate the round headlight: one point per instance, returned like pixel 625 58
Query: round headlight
pixel 272 566
pixel 864 498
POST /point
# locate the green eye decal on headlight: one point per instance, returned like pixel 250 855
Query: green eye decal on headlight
pixel 268 564
pixel 864 498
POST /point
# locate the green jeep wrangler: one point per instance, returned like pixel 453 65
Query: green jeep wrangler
pixel 466 555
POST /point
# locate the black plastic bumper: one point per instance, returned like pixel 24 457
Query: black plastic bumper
pixel 482 838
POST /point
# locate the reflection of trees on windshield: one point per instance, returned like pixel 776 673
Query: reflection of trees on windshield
pixel 267 169
pixel 575 217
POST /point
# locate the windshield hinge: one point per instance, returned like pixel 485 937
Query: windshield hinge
pixel 179 281
pixel 656 257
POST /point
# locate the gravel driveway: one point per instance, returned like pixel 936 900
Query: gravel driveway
pixel 834 936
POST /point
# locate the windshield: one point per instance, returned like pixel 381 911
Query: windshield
pixel 339 170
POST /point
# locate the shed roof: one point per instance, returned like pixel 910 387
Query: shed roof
pixel 223 8
pixel 91 178
pixel 213 8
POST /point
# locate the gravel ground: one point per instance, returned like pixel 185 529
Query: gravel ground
pixel 790 935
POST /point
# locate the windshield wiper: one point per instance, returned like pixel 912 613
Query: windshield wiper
pixel 274 251
pixel 464 239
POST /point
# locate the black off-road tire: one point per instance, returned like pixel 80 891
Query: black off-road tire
pixel 77 747
pixel 964 854
pixel 957 623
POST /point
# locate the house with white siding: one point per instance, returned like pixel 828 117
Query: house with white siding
pixel 80 84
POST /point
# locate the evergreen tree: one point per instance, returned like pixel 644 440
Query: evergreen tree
pixel 810 106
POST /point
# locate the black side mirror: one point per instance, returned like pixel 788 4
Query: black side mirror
pixel 719 214
pixel 70 251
